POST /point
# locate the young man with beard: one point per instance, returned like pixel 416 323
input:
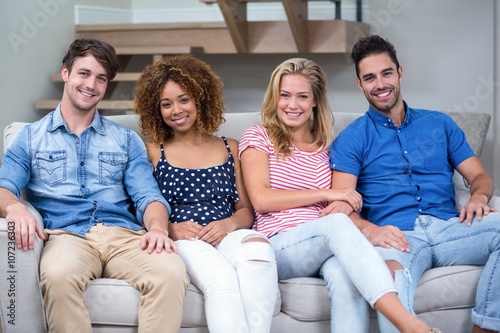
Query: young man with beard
pixel 401 160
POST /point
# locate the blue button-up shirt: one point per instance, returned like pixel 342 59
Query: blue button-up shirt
pixel 76 182
pixel 402 171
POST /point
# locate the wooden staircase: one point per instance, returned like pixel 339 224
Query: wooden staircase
pixel 236 35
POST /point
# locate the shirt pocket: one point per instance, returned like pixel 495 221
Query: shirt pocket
pixel 51 166
pixel 111 167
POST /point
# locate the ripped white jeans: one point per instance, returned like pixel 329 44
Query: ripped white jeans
pixel 238 279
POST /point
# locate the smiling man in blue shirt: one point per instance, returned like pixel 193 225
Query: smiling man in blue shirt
pixel 401 160
pixel 91 181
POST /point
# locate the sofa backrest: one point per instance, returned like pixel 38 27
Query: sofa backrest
pixel 475 125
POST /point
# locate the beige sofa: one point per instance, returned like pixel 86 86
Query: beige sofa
pixel 444 297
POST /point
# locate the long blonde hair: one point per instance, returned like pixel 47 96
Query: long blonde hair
pixel 322 118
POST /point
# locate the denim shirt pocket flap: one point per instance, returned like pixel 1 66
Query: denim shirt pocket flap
pixel 111 167
pixel 51 166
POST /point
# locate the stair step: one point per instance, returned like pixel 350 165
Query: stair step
pixel 156 50
pixel 331 36
pixel 213 37
pixel 51 104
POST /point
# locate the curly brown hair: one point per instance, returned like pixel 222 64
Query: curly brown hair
pixel 198 81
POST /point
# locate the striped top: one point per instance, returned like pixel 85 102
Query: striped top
pixel 300 171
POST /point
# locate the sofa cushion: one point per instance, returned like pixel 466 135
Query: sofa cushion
pixel 305 299
pixel 112 302
pixel 115 302
pixel 443 288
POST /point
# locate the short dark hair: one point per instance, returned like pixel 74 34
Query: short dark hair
pixel 371 45
pixel 103 52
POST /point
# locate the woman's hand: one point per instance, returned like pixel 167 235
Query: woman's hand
pixel 349 195
pixel 184 230
pixel 214 232
pixel 337 207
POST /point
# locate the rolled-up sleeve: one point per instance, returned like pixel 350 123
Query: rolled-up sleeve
pixel 139 181
pixel 16 164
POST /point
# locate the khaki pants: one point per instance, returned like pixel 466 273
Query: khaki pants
pixel 70 262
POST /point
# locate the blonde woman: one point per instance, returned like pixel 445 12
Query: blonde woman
pixel 286 170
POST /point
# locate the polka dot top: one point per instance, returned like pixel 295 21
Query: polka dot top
pixel 200 195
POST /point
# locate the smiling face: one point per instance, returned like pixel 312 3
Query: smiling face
pixel 380 82
pixel 177 108
pixel 85 85
pixel 296 101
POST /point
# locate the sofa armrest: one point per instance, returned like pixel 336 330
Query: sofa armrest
pixel 495 202
pixel 21 306
pixel 463 195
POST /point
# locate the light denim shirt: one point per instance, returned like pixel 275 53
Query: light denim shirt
pixel 77 182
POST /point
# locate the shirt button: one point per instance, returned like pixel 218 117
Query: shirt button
pixel 82 164
pixel 83 186
pixel 419 199
pixel 406 152
pixel 77 141
pixel 420 210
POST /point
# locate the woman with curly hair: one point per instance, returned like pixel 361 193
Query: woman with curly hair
pixel 179 103
pixel 286 169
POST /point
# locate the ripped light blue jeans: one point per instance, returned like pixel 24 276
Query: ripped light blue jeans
pixel 437 243
pixel 333 248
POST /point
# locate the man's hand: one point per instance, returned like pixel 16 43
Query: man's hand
pixel 478 206
pixel 157 239
pixel 26 226
pixel 386 236
pixel 481 189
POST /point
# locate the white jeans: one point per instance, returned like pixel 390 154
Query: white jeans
pixel 238 279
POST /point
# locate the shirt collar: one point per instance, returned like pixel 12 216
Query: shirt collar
pixel 385 121
pixel 58 121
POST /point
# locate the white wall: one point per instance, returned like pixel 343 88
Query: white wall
pixel 34 36
pixel 446 48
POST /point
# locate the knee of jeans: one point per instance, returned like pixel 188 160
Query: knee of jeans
pixel 257 249
pixel 394 266
pixel 400 274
